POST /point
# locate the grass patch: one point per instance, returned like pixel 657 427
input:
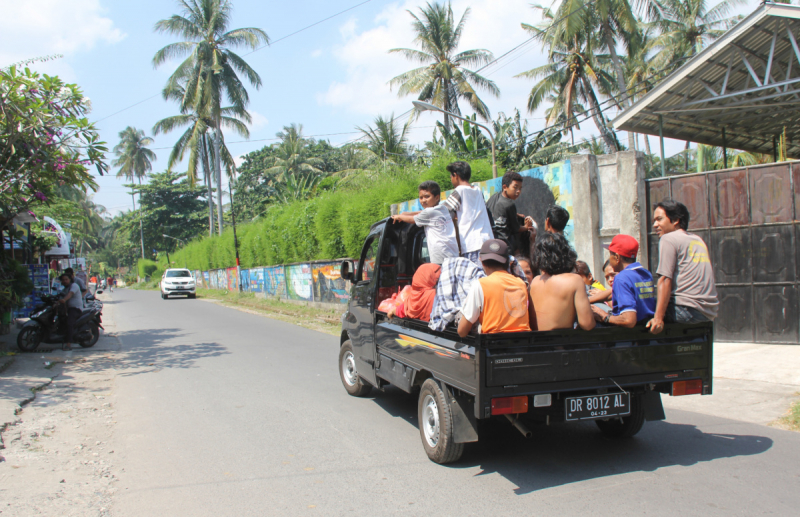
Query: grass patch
pixel 326 320
pixel 792 420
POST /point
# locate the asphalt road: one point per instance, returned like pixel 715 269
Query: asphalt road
pixel 221 412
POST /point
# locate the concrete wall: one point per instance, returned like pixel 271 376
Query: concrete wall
pixel 609 194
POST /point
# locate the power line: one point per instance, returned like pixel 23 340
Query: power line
pixel 256 50
pixel 308 27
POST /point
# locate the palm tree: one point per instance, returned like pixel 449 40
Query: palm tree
pixel 387 139
pixel 196 141
pixel 574 71
pixel 211 70
pixel 444 79
pixel 687 26
pixel 134 160
pixel 293 158
pixel 615 20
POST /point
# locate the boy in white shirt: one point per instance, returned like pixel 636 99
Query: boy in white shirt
pixel 474 226
pixel 440 231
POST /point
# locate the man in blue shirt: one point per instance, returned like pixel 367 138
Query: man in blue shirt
pixel 633 294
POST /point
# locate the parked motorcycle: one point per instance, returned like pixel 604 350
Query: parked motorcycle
pixel 49 325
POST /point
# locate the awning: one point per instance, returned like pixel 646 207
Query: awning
pixel 747 82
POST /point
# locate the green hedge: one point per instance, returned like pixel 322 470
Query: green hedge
pixel 332 225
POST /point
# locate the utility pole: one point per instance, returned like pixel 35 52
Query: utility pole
pixel 235 240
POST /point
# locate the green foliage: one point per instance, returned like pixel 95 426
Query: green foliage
pixel 332 225
pixel 45 141
pixel 146 267
pixel 15 284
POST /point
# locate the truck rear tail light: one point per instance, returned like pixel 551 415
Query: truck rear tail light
pixel 507 405
pixel 694 387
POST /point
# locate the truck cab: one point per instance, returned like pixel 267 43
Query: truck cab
pixel 614 376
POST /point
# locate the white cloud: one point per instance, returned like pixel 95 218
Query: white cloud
pixel 364 56
pixel 258 121
pixel 33 28
pixel 316 53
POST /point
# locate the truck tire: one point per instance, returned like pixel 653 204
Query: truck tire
pixel 436 425
pixel 355 385
pixel 627 426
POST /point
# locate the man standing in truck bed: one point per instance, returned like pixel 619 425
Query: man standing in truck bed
pixel 474 227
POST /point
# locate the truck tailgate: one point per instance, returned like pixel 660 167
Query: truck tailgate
pixel 559 356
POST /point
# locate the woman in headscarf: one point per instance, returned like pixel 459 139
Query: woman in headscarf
pixel 419 303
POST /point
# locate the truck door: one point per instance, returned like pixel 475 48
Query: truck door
pixel 363 307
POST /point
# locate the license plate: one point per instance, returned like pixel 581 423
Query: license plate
pixel 598 406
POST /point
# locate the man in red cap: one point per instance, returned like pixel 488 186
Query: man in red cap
pixel 633 297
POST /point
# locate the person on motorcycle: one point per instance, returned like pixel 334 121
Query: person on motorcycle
pixel 74 305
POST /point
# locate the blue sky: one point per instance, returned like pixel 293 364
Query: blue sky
pixel 330 78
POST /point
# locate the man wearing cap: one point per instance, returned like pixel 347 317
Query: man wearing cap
pixel 499 301
pixel 633 297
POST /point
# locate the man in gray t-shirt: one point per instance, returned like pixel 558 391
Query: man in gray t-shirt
pixel 74 303
pixel 687 292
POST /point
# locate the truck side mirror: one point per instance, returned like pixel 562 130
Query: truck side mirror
pixel 346 270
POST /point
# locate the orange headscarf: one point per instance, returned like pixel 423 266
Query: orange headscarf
pixel 419 303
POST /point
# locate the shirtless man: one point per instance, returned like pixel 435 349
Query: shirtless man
pixel 558 295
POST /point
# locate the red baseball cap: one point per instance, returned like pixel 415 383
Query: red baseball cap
pixel 624 245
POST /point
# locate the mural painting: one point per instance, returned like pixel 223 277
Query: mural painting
pixel 198 278
pixel 329 287
pixel 232 280
pixel 244 279
pixel 274 281
pixel 222 279
pixel 256 284
pixel 298 282
pixel 206 280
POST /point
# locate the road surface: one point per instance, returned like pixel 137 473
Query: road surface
pixel 222 412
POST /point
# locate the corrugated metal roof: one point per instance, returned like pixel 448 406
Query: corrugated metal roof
pixel 747 82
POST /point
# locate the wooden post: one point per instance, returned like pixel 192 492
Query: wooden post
pixel 724 149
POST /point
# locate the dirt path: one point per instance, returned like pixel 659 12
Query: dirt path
pixel 56 458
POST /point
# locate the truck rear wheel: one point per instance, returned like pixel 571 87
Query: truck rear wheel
pixel 436 425
pixel 355 385
pixel 626 426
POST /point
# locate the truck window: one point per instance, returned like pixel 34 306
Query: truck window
pixel 368 256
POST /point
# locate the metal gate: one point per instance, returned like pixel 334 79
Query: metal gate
pixel 748 217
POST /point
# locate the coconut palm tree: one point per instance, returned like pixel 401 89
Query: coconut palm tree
pixel 196 141
pixel 387 140
pixel 575 70
pixel 613 18
pixel 211 70
pixel 293 158
pixel 688 26
pixel 134 160
pixel 444 78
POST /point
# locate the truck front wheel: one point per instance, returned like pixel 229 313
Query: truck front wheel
pixel 354 384
pixel 436 425
pixel 626 426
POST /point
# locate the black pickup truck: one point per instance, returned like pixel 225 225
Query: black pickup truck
pixel 614 376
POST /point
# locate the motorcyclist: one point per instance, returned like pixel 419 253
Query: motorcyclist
pixel 73 301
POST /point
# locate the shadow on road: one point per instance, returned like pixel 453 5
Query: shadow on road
pixel 154 349
pixel 560 454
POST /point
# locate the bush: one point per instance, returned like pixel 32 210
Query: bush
pixel 332 225
pixel 147 267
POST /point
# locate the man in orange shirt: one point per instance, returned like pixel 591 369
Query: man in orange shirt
pixel 499 300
